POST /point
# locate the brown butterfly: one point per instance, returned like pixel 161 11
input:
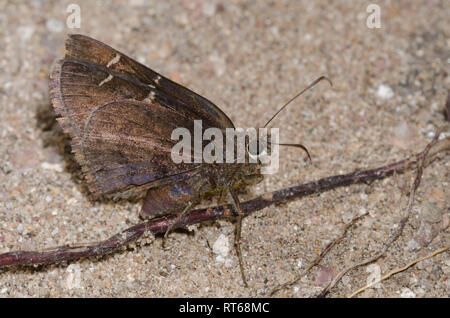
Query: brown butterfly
pixel 120 116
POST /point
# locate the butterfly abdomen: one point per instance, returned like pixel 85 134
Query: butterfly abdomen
pixel 169 199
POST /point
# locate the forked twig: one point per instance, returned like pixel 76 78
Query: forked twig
pixel 160 225
pixel 396 233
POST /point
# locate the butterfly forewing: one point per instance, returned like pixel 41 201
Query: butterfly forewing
pixel 173 95
pixel 120 115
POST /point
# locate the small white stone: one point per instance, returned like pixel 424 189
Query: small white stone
pixel 345 280
pixel 374 271
pixel 430 134
pixel 407 293
pixel 209 9
pixel 141 59
pixel 52 166
pixel 192 227
pixel 299 263
pixel 54 25
pixel 412 245
pixel 221 248
pixel 4 250
pixel 347 217
pixel 136 3
pixel 73 278
pixel 130 278
pixel 447 284
pixel 385 92
pixel 25 32
pixel 419 290
pixel 220 65
pixel 71 201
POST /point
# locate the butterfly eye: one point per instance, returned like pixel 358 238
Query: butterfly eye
pixel 257 149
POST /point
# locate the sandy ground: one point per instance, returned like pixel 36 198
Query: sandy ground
pixel 249 57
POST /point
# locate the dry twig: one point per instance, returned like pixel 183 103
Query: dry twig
pixel 396 233
pixel 160 225
pixel 319 257
pixel 398 270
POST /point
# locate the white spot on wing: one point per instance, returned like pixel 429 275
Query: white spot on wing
pixel 106 80
pixel 150 98
pixel 114 60
pixel 157 79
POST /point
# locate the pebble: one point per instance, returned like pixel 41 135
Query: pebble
pixel 209 9
pixel 445 222
pixel 426 233
pixel 412 245
pixel 219 64
pixel 430 212
pixel 374 271
pixel 404 136
pixel 52 166
pixel 347 217
pixel 447 284
pixel 137 3
pixel 54 25
pixel 426 263
pixel 73 277
pixel 385 92
pixel 221 248
pixel 407 293
pixel 25 32
pixel 346 280
pixel 323 275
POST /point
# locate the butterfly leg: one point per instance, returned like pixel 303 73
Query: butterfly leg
pixel 237 233
pixel 188 208
pixel 221 195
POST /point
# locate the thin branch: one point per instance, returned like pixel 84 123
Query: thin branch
pixel 396 233
pixel 398 270
pixel 160 225
pixel 319 257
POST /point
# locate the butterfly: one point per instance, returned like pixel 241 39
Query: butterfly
pixel 120 116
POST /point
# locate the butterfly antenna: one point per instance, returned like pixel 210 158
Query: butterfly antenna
pixel 296 146
pixel 304 90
